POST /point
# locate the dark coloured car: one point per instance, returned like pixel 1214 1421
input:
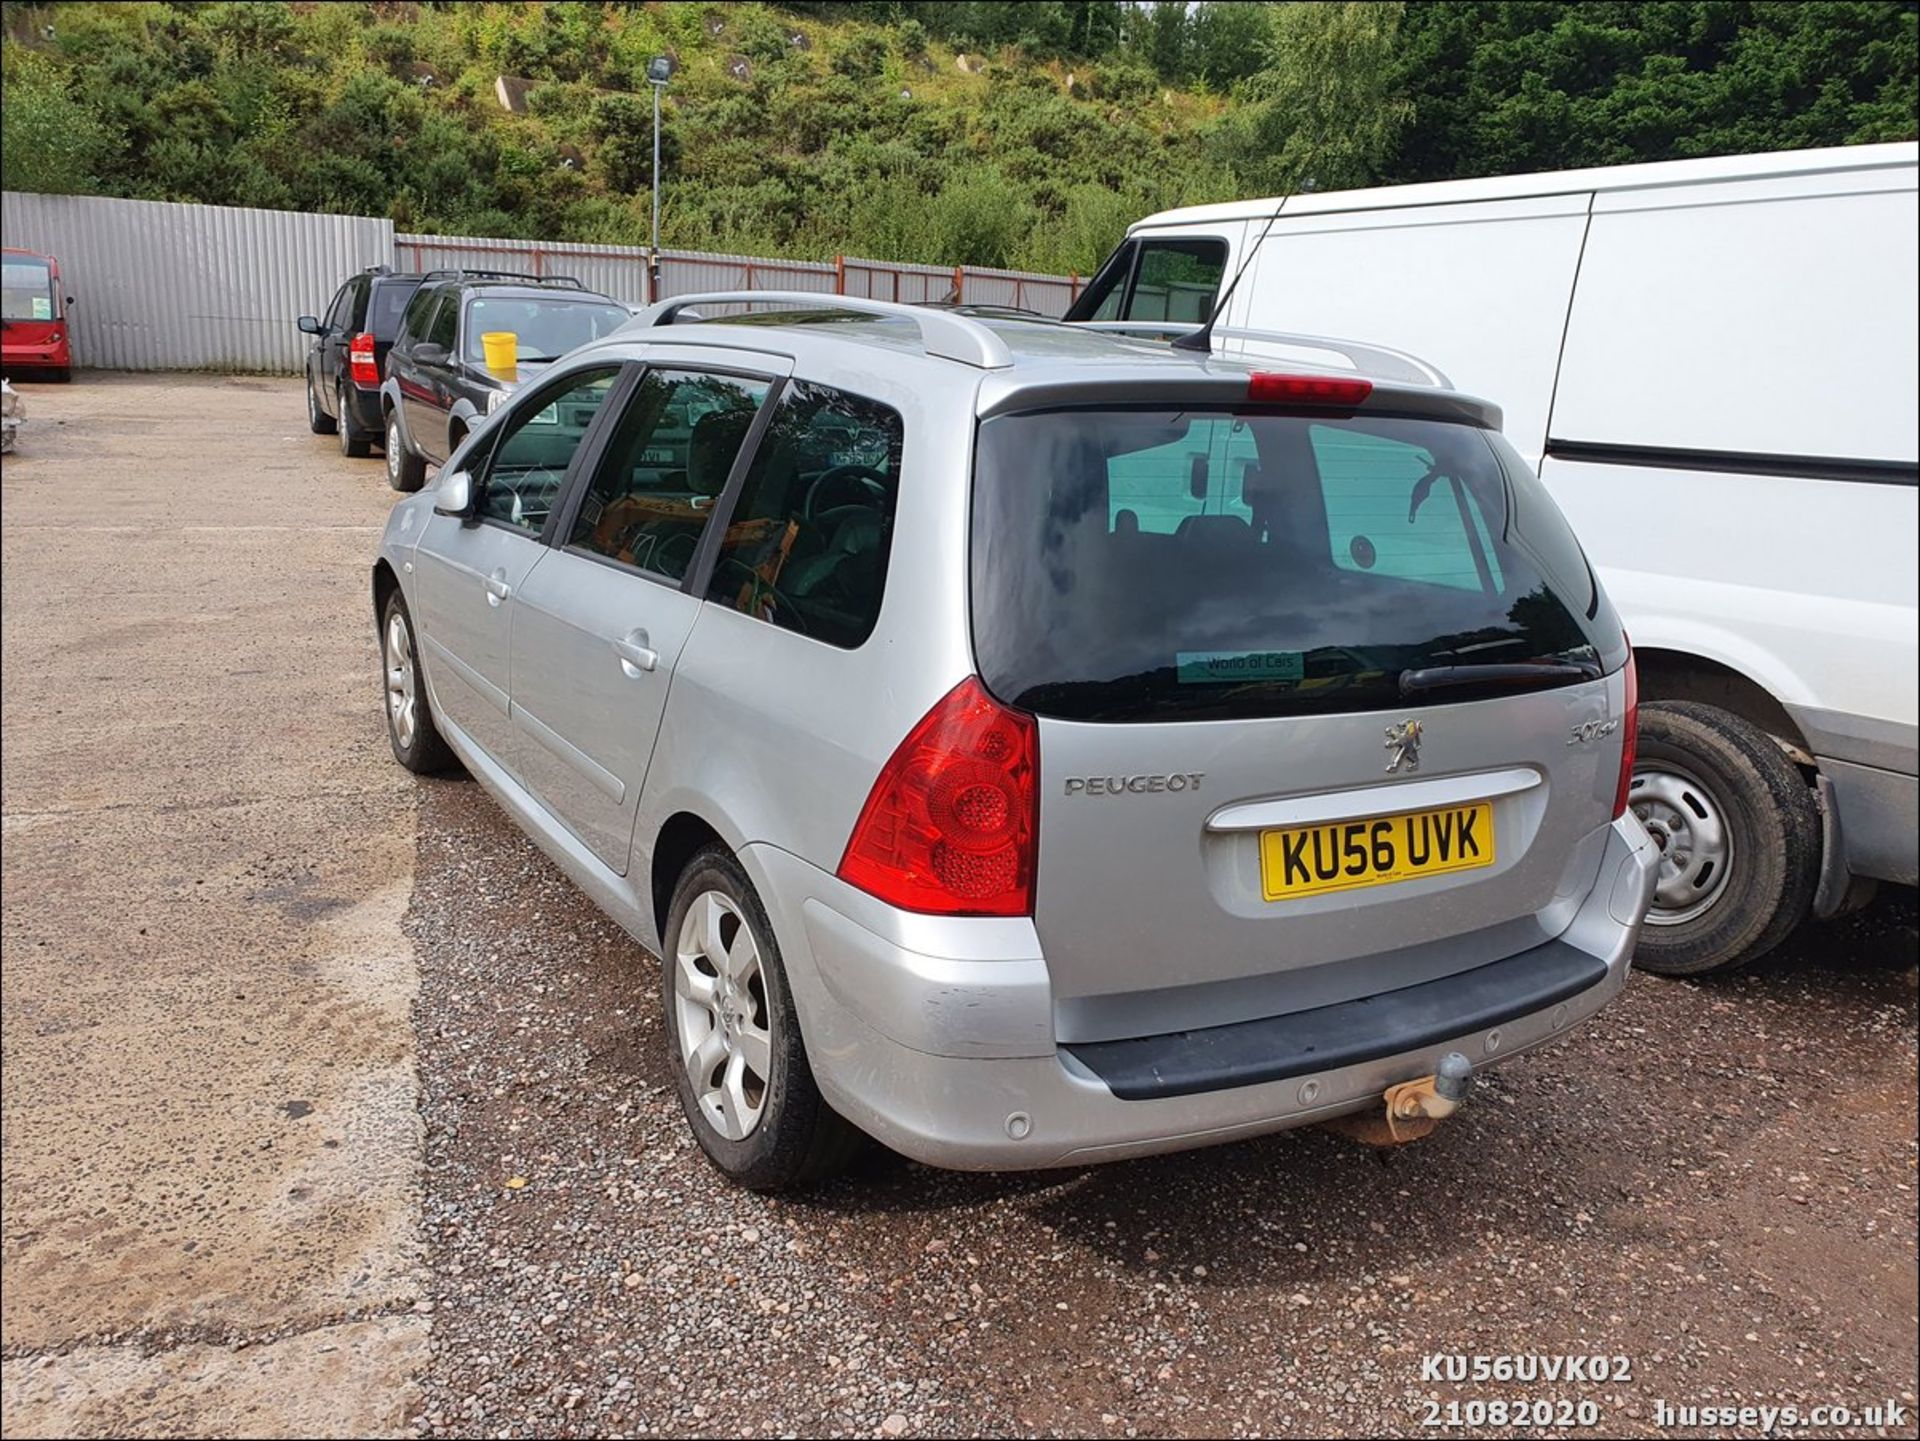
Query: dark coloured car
pixel 350 345
pixel 440 381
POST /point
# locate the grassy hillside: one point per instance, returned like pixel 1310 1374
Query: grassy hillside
pixel 945 131
pixel 784 133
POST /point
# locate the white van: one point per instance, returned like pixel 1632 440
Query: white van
pixel 1713 365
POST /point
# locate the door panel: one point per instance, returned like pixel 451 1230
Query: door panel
pixel 594 649
pixel 602 623
pixel 469 573
pixel 466 579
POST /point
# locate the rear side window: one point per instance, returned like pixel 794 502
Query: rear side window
pixel 1137 565
pixel 664 468
pixel 806 547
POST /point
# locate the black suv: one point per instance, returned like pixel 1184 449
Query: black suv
pixel 438 384
pixel 350 345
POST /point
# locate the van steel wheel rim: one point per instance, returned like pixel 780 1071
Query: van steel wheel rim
pixel 725 1023
pixel 402 697
pixel 1689 826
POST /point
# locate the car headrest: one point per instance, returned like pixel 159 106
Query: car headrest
pixel 714 443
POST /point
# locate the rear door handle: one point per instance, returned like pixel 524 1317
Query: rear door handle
pixel 497 587
pixel 635 654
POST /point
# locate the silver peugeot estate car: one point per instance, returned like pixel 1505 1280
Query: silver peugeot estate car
pixel 1024 745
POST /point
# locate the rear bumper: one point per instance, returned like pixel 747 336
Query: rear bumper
pixel 951 1060
pixel 56 355
pixel 365 408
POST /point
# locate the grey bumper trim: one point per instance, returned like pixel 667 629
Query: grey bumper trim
pixel 1247 1053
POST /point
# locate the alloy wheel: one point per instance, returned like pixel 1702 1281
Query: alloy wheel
pixel 725 1021
pixel 402 686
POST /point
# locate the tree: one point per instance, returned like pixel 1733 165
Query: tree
pixel 1323 111
pixel 50 141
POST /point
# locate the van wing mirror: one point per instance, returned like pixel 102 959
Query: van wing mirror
pixel 453 494
pixel 1197 475
pixel 309 324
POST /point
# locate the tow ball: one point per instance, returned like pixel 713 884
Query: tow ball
pixel 1414 1107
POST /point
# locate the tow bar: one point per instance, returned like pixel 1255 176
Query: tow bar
pixel 1412 1108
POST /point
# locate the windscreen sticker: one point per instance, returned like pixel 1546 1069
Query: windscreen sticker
pixel 1200 667
pixel 42 308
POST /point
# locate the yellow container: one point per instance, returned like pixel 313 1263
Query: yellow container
pixel 502 349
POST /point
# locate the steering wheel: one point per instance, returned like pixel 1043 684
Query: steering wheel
pixel 877 481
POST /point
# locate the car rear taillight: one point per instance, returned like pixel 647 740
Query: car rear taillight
pixel 1271 389
pixel 360 359
pixel 1629 735
pixel 951 824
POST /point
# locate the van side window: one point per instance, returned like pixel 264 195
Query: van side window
pixel 1393 510
pixel 806 547
pixel 535 448
pixel 1156 280
pixel 665 466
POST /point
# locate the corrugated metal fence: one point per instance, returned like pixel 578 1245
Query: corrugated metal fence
pixel 161 286
pixel 191 287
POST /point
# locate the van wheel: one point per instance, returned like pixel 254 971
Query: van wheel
pixel 355 443
pixel 405 470
pixel 1739 837
pixel 318 421
pixel 417 743
pixel 733 1040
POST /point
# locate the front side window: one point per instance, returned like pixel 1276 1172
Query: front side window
pixel 536 445
pixel 1156 280
pixel 442 329
pixel 414 323
pixel 27 288
pixel 546 327
pixel 665 465
pixel 340 313
pixel 806 547
pixel 1133 565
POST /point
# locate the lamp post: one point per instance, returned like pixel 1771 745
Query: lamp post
pixel 658 71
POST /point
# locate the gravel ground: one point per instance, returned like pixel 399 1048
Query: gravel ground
pixel 1714 1180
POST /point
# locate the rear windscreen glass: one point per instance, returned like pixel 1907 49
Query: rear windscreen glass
pixel 388 305
pixel 27 290
pixel 1160 564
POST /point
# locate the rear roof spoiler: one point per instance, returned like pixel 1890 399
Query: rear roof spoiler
pixel 1376 360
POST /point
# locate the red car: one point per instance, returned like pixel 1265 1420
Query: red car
pixel 33 316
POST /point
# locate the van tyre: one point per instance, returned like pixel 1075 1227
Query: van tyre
pixel 405 470
pixel 355 443
pixel 416 741
pixel 318 421
pixel 1739 831
pixel 733 1038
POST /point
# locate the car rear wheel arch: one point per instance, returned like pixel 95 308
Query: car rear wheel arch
pixel 683 837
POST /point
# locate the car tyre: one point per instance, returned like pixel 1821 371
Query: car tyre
pixel 318 421
pixel 355 443
pixel 1739 832
pixel 729 1014
pixel 416 741
pixel 405 470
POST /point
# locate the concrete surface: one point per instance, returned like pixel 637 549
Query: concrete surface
pixel 211 1130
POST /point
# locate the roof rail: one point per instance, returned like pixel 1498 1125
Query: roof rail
pixel 944 333
pixel 1390 364
pixel 457 272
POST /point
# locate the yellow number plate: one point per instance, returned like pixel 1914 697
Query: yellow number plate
pixel 1345 855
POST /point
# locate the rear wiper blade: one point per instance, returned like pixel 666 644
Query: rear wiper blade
pixel 1524 673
